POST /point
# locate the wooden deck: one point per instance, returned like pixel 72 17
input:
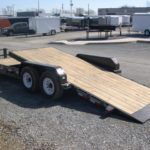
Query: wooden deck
pixel 9 62
pixel 123 94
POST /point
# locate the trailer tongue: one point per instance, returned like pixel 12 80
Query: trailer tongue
pixel 125 95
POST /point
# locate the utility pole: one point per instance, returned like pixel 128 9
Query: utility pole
pixel 62 8
pixel 71 5
pixel 38 7
pixel 88 10
pixel 88 23
pixel 88 16
pixel 13 9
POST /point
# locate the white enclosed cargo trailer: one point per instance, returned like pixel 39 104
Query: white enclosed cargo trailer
pixel 141 23
pixel 114 20
pixel 45 25
pixel 118 20
pixel 126 20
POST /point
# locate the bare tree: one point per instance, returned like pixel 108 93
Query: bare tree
pixel 8 10
pixel 90 12
pixel 80 11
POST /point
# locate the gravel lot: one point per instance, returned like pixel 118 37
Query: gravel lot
pixel 71 123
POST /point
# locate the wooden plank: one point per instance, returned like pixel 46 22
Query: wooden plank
pixel 9 62
pixel 125 95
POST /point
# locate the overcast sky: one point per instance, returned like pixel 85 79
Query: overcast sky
pixel 50 4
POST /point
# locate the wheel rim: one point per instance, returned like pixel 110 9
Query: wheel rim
pixel 146 33
pixel 27 80
pixel 10 33
pixel 53 32
pixel 48 86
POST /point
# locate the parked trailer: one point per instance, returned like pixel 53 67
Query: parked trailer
pixel 141 23
pixel 98 21
pixel 126 20
pixel 45 25
pixel 73 21
pixel 114 20
pixel 52 71
pixel 101 24
pixel 118 20
pixel 76 23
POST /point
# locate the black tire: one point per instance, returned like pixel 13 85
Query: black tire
pixel 53 32
pixel 10 33
pixel 44 34
pixel 66 30
pixel 55 85
pixel 34 78
pixel 147 32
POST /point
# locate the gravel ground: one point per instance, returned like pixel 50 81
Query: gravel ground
pixel 8 137
pixel 71 123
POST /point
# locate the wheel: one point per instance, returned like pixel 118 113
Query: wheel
pixel 66 30
pixel 147 32
pixel 53 32
pixel 50 86
pixel 30 79
pixel 10 33
pixel 44 34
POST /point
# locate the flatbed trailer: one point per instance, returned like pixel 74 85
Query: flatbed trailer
pixel 45 67
pixel 106 28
